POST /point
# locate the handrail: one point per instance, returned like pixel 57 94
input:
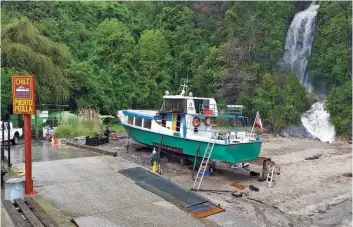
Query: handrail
pixel 229 135
pixel 221 109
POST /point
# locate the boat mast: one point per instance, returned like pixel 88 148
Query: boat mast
pixel 184 86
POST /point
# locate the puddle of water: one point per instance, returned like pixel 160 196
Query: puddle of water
pixel 45 151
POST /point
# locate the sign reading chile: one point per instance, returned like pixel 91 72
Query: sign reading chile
pixel 23 94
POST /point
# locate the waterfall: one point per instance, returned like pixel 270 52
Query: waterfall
pixel 298 47
pixel 299 42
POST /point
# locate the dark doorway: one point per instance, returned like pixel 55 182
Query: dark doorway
pixel 178 123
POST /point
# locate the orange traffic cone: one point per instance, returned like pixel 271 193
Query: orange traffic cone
pixel 56 141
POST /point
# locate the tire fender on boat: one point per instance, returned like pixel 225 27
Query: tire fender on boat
pixel 206 121
pixel 196 121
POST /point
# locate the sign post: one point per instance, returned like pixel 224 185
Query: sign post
pixel 23 101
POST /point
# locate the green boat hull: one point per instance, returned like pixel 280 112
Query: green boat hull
pixel 237 152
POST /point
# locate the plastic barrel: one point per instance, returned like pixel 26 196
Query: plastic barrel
pixel 14 189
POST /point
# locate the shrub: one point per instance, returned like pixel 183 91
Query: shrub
pixel 116 127
pixel 339 105
pixel 280 99
pixel 87 123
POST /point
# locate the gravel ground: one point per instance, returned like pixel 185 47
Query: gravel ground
pixel 309 193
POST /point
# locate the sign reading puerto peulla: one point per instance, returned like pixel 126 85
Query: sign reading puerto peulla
pixel 23 94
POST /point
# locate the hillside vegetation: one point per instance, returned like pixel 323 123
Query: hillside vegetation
pixel 111 55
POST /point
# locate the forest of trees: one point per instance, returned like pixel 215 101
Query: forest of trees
pixel 111 55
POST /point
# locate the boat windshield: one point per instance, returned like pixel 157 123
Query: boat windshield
pixel 173 105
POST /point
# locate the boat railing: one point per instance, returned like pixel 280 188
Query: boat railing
pixel 221 109
pixel 219 133
pixel 230 134
pixel 234 136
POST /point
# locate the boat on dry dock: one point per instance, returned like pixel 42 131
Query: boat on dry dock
pixel 185 124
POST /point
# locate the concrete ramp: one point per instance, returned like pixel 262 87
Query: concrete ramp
pixel 187 200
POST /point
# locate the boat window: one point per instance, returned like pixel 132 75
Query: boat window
pixel 138 121
pixel 130 120
pixel 147 123
pixel 173 105
pixel 199 103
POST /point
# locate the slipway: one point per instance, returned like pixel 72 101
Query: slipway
pixel 187 200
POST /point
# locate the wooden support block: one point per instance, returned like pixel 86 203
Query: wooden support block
pixel 30 215
pixel 40 213
pixel 239 186
pixel 15 216
pixel 253 188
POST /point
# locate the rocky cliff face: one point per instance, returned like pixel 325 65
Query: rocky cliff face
pixel 301 5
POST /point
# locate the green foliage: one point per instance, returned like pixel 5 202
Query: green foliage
pixel 261 27
pixel 280 100
pixel 153 55
pixel 6 86
pixel 207 76
pixel 339 105
pixel 116 127
pixel 26 50
pixel 331 60
pixel 113 67
pixel 176 21
pixel 87 123
pixel 116 55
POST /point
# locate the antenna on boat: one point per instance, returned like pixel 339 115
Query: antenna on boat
pixel 184 86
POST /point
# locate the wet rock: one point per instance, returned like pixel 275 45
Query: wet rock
pixel 297 131
pixel 313 157
pixel 237 194
pixel 302 5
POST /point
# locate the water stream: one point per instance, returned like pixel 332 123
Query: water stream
pixel 297 48
pixel 316 122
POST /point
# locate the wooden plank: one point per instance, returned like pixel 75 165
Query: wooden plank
pixel 30 215
pixel 15 216
pixel 40 213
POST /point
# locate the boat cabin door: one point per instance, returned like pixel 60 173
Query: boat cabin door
pixel 178 123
